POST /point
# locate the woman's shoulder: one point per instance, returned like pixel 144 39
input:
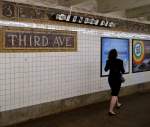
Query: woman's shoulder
pixel 119 60
pixel 107 61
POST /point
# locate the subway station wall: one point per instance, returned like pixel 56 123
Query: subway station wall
pixel 30 78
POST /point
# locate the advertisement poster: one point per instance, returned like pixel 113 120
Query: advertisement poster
pixel 122 47
pixel 140 55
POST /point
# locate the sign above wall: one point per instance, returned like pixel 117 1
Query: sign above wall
pixel 38 40
pixel 85 20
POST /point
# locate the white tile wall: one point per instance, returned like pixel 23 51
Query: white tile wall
pixel 33 78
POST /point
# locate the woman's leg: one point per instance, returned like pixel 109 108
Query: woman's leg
pixel 118 104
pixel 113 102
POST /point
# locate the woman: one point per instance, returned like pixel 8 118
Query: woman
pixel 116 69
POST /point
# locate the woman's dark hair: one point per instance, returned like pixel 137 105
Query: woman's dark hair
pixel 112 54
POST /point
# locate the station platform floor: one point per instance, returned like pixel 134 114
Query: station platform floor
pixel 135 112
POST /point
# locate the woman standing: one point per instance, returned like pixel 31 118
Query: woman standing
pixel 116 69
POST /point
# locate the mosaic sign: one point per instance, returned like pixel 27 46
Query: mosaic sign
pixel 13 10
pixel 39 40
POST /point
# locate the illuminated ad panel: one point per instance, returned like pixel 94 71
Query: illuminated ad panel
pixel 122 47
pixel 140 55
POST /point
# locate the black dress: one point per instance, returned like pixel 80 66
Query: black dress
pixel 116 69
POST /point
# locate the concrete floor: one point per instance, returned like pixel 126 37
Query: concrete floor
pixel 134 113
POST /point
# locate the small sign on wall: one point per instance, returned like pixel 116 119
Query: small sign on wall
pixel 140 55
pixel 38 40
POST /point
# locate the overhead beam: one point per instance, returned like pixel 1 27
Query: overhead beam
pixel 69 3
pixel 66 3
pixel 86 6
pixel 45 3
pixel 148 18
pixel 138 12
pixel 106 6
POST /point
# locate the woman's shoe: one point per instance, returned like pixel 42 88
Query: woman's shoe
pixel 119 106
pixel 111 113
